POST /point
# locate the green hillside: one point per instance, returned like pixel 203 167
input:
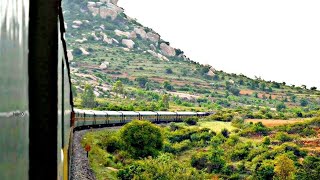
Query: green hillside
pixel 105 46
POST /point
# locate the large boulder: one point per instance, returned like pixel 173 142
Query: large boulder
pixel 77 22
pixel 133 35
pixel 153 37
pixel 104 65
pixel 115 41
pixel 128 42
pixel 210 73
pixel 91 4
pixel 141 32
pixel 84 52
pixel 81 40
pixel 93 34
pixel 108 12
pixel 167 50
pixel 105 38
pixel 158 55
pixel 122 33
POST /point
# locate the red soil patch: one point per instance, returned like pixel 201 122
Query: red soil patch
pixel 275 122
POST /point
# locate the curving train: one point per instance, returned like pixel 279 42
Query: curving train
pixel 91 118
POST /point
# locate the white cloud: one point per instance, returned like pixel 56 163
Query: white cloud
pixel 276 39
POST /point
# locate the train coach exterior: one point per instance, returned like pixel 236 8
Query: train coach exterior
pixel 100 118
pixel 148 115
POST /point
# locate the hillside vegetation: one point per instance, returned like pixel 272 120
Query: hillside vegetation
pixel 129 67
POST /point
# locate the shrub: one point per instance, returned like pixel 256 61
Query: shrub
pixel 308 132
pixel 142 138
pixel 237 121
pixel 191 120
pixel 283 137
pixel 266 140
pixel 173 126
pixel 304 102
pixel 281 106
pixel 265 170
pixel 225 132
pixel 199 161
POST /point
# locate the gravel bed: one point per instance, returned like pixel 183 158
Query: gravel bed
pixel 80 168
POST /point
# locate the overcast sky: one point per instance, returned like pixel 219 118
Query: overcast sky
pixel 275 39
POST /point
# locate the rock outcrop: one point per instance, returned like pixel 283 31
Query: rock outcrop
pixel 153 37
pixel 141 32
pixel 108 12
pixel 81 40
pixel 133 35
pixel 167 50
pixel 84 52
pixel 122 33
pixel 128 42
pixel 77 22
pixel 104 65
pixel 105 38
pixel 158 55
pixel 93 34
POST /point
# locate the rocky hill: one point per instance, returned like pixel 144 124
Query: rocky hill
pixel 105 45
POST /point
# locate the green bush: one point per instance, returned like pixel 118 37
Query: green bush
pixel 283 137
pixel 237 121
pixel 225 132
pixel 191 120
pixel 266 140
pixel 141 138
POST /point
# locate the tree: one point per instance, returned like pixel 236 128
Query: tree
pixel 142 81
pixel 313 88
pixel 88 97
pixel 118 87
pixel 304 102
pixel 284 167
pixel 165 101
pixel 142 138
pixel 235 91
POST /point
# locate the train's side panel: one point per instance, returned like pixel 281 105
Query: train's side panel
pixel 65 105
pixel 14 116
pixel 67 133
